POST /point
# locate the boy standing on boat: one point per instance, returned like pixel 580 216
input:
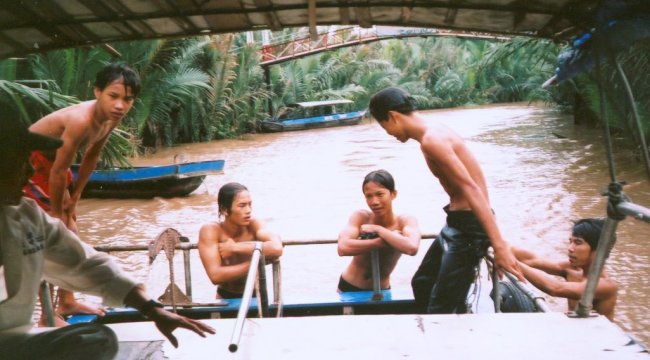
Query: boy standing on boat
pixel 34 245
pixel 575 270
pixel 378 229
pixel 86 125
pixel 442 281
pixel 226 246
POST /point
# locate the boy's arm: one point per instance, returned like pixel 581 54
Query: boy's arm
pixel 566 289
pixel 349 243
pixel 87 166
pixel 165 321
pixel 458 177
pixel 72 137
pixel 407 241
pixel 529 258
pixel 271 242
pixel 217 272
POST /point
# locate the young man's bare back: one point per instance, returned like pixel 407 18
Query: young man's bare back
pixel 82 127
pixel 380 229
pixel 581 253
pixel 448 267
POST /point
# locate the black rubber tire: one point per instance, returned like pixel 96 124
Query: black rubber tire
pixel 514 300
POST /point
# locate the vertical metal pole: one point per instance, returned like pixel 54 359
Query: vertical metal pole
pixel 276 281
pixel 188 273
pixel 46 303
pixel 246 298
pixel 376 281
pixel 605 244
pixel 263 301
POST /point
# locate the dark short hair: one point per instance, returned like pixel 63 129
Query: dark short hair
pixel 589 229
pixel 115 71
pixel 227 194
pixel 391 99
pixel 381 177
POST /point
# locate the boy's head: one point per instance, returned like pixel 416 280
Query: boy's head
pixel 589 230
pixel 115 71
pixel 390 99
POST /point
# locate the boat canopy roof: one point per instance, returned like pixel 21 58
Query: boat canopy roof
pixel 308 104
pixel 29 26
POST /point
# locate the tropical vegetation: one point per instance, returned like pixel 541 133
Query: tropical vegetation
pixel 213 87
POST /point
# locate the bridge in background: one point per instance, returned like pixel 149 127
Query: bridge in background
pixel 282 50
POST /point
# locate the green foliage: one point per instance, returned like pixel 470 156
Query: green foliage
pixel 212 87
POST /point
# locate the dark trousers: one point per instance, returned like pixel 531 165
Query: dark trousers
pixel 72 342
pixel 441 283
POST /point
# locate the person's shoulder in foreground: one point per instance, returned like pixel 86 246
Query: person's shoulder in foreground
pixel 34 246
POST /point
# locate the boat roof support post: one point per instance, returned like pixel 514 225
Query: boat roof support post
pixel 246 298
pixel 635 113
pixel 603 118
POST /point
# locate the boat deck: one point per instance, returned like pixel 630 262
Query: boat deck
pixel 472 336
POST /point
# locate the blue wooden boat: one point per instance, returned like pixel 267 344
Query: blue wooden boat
pixel 313 115
pixel 149 181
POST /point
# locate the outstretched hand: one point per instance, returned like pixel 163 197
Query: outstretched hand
pixel 167 322
pixel 504 259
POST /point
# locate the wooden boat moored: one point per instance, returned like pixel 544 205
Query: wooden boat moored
pixel 150 181
pixel 313 115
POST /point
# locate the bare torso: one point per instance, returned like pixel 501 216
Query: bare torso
pixel 81 117
pixel 440 135
pixel 246 234
pixel 604 306
pixel 359 272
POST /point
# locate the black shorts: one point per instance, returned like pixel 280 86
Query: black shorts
pixel 226 294
pixel 345 286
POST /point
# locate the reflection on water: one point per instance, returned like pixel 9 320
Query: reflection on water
pixel 541 172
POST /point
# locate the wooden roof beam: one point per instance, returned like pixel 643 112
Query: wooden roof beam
pixel 344 12
pixel 272 19
pixel 311 13
pixel 181 21
pixel 363 17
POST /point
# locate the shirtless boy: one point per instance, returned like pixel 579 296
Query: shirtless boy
pixel 575 270
pixel 442 282
pixel 86 125
pixel 392 235
pixel 226 246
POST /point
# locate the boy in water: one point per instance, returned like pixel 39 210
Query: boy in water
pixel 86 125
pixel 442 282
pixel 581 252
pixel 380 229
pixel 226 246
